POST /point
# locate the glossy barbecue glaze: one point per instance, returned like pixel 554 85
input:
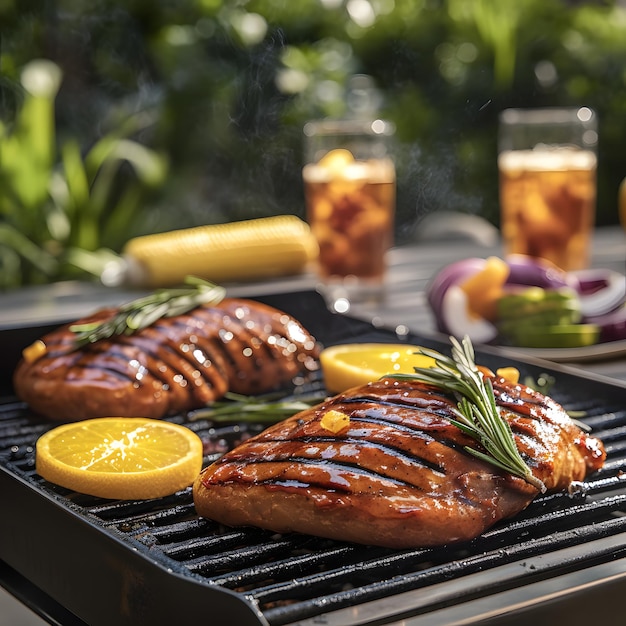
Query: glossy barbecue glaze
pixel 177 364
pixel 397 475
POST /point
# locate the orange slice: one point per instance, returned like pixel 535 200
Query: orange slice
pixel 337 160
pixel 127 458
pixel 484 288
pixel 349 365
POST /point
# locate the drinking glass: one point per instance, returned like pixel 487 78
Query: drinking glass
pixel 350 189
pixel 547 165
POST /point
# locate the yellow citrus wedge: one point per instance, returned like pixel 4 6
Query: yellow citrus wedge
pixel 349 365
pixel 337 160
pixel 484 288
pixel 123 458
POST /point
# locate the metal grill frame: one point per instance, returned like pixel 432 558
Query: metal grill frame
pixel 104 562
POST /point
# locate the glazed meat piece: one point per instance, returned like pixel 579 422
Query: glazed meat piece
pixel 177 364
pixel 395 473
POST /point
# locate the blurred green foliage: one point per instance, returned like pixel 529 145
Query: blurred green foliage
pixel 224 87
pixel 59 210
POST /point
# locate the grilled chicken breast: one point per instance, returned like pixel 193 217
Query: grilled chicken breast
pixel 177 364
pixel 396 474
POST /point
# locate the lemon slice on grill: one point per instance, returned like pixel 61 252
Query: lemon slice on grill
pixel 127 458
pixel 349 365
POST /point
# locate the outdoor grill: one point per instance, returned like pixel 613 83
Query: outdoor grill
pixel 79 559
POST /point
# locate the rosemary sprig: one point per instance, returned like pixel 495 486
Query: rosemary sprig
pixel 477 413
pixel 266 409
pixel 145 311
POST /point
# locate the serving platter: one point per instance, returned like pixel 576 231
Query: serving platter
pixel 585 354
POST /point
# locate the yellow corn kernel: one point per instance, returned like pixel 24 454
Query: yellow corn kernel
pixel 334 421
pixel 510 374
pixel 239 251
pixel 35 351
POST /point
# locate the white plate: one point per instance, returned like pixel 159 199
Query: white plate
pixel 596 352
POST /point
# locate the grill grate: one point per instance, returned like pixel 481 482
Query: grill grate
pixel 294 578
pixel 169 566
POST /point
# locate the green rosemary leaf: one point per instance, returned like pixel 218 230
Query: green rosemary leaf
pixel 477 413
pixel 266 409
pixel 145 311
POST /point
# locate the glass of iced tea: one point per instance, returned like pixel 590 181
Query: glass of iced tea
pixel 350 191
pixel 547 164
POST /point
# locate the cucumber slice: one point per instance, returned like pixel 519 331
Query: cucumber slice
pixel 557 336
pixel 519 326
pixel 535 301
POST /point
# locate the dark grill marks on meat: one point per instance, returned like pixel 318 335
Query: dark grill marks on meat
pixel 391 440
pixel 398 474
pixel 331 452
pixel 177 364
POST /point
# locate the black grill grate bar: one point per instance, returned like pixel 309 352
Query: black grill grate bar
pixel 611 434
pixel 289 612
pixel 19 430
pixel 576 495
pixel 205 541
pixel 616 448
pixel 187 529
pixel 132 512
pixel 591 411
pixel 392 563
pixel 604 422
pixel 595 485
pixel 154 513
pixel 11 405
pixel 294 565
pixel 194 537
pixel 611 466
pixel 570 517
pixel 537 526
pixel 235 559
pixel 606 419
pixel 197 537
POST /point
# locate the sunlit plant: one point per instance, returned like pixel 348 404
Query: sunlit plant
pixel 59 209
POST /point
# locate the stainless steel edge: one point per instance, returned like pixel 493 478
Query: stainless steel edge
pixel 538 593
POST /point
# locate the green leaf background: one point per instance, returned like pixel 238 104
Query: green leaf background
pixel 173 114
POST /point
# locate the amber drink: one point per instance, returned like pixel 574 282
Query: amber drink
pixel 350 189
pixel 547 165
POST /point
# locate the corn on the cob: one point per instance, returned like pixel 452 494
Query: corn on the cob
pixel 239 251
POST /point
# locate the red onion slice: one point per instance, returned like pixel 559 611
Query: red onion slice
pixel 456 319
pixel 452 274
pixel 527 270
pixel 612 325
pixel 600 291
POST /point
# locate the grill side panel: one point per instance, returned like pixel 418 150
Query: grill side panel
pixel 75 561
